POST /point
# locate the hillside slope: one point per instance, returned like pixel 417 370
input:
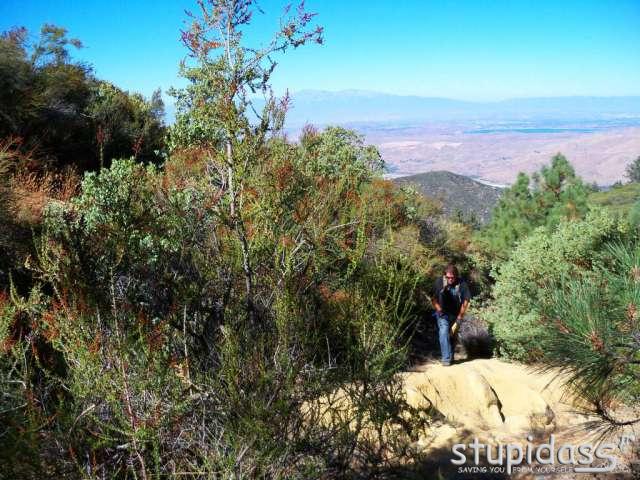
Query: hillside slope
pixel 456 192
pixel 618 199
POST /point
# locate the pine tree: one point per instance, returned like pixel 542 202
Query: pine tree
pixel 594 333
pixel 633 170
pixel 553 194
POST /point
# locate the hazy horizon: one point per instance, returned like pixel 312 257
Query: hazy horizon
pixel 496 100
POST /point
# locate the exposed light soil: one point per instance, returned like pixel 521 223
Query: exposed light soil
pixel 500 402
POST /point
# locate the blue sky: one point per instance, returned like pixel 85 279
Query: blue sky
pixel 474 50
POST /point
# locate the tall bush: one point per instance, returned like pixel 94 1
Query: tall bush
pixel 239 312
pixel 162 366
pixel 525 282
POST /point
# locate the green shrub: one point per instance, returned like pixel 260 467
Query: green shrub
pixel 58 108
pixel 534 269
pixel 618 200
pixel 634 215
pixel 191 321
pixel 147 318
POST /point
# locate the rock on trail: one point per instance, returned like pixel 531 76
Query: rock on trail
pixel 491 399
pixel 499 402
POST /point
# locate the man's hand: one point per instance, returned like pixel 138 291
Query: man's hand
pixel 454 328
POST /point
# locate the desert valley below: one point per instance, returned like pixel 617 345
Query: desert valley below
pixel 496 155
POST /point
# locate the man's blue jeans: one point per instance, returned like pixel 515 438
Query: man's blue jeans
pixel 443 335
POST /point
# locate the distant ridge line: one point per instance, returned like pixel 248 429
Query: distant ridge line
pixel 456 193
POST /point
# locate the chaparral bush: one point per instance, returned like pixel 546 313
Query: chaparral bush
pixel 524 283
pixel 199 319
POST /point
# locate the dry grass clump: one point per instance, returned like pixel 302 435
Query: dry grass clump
pixel 26 187
pixel 31 191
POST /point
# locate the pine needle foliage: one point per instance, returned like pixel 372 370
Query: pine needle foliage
pixel 553 194
pixel 595 333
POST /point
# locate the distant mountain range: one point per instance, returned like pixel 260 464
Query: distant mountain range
pixel 348 106
pixel 457 193
pixel 321 107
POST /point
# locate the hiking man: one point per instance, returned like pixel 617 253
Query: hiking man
pixel 450 300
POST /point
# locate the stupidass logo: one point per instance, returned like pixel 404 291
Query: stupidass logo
pixel 477 457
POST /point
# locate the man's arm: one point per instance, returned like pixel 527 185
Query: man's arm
pixel 463 309
pixel 434 296
pixel 466 298
pixel 436 305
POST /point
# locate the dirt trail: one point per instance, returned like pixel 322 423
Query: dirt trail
pixel 496 402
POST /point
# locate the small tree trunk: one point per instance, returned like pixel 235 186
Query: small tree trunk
pixel 248 273
pixel 238 225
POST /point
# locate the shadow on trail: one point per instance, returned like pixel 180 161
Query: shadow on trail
pixel 474 340
pixel 437 465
